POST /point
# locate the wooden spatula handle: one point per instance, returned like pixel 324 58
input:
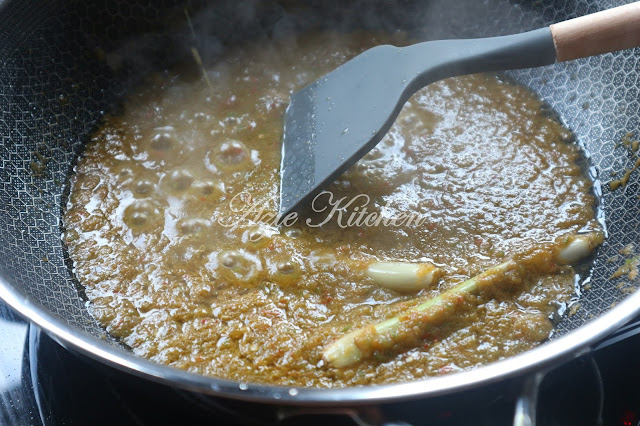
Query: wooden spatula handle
pixel 601 32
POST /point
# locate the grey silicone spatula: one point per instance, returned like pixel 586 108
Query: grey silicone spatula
pixel 331 123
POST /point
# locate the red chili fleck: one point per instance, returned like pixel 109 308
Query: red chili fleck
pixel 445 369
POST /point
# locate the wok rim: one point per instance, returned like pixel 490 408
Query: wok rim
pixel 573 344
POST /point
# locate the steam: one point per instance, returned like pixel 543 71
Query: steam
pixel 198 33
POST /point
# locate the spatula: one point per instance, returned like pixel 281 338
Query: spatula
pixel 333 122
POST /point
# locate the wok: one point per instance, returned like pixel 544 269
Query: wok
pixel 64 64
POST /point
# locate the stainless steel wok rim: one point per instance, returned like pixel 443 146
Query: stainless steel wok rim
pixel 568 346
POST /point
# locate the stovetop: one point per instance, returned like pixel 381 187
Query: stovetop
pixel 43 384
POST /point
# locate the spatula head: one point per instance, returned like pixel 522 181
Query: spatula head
pixel 334 121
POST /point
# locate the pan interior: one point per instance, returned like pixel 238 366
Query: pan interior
pixel 65 64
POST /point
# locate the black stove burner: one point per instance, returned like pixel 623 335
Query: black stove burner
pixel 43 384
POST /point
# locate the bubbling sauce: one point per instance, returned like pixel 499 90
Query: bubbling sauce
pixel 174 268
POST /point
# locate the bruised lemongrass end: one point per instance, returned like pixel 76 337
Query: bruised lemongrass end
pixel 404 277
pixel 578 247
pixel 344 351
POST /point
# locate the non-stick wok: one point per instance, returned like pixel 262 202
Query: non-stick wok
pixel 64 64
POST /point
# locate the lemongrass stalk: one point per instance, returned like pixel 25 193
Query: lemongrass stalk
pixel 406 329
